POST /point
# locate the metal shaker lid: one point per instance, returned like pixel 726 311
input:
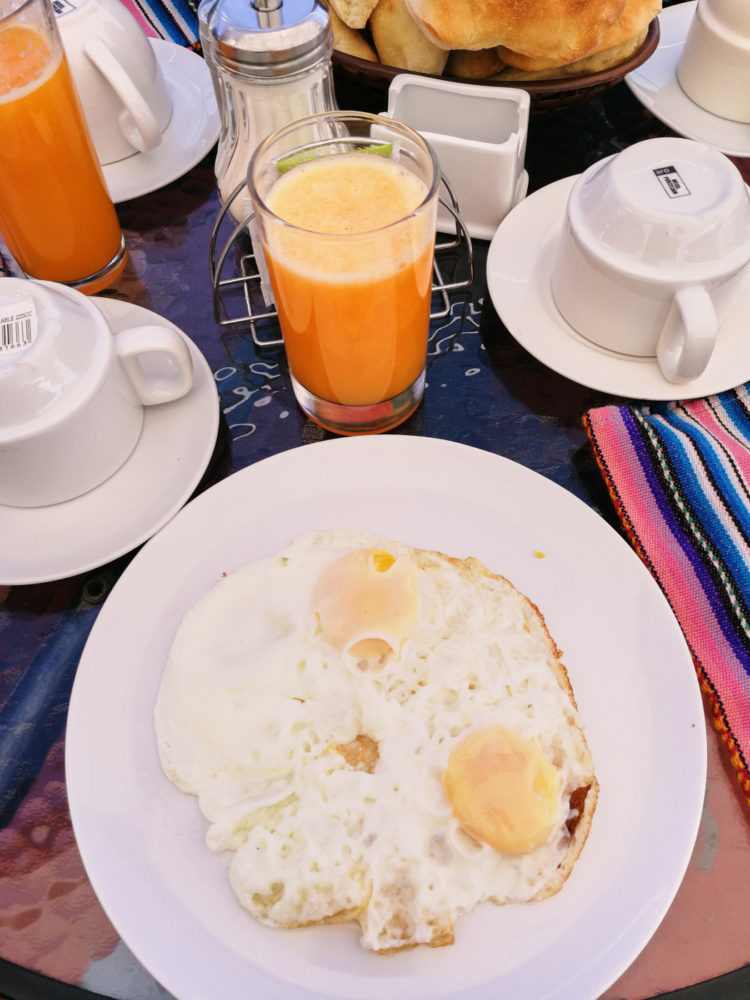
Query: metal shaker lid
pixel 265 38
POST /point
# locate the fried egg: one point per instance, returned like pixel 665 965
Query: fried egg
pixel 378 734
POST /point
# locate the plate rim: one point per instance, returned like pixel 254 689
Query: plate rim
pixel 342 450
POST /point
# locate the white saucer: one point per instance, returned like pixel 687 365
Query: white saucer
pixel 192 130
pixel 519 262
pixel 173 452
pixel 655 85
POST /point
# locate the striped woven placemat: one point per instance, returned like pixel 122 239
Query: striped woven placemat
pixel 679 476
pixel 174 20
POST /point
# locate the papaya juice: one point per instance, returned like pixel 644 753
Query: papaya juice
pixel 56 215
pixel 352 280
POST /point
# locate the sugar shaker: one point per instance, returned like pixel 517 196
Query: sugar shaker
pixel 270 62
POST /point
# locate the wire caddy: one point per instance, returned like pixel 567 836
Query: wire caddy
pixel 243 290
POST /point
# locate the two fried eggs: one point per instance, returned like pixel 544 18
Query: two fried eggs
pixel 378 734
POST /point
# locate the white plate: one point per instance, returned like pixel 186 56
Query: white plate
pixel 655 85
pixel 142 841
pixel 519 263
pixel 192 131
pixel 173 452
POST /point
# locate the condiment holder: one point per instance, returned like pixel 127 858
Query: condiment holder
pixel 270 63
pixel 71 393
pixel 479 134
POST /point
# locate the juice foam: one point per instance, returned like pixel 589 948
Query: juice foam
pixel 352 193
pixel 24 56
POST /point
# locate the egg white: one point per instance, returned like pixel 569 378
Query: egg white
pixel 254 707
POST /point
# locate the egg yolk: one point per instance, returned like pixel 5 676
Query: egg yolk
pixel 502 789
pixel 367 602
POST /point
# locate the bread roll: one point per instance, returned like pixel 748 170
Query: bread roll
pixel 349 41
pixel 562 30
pixel 618 42
pixel 479 64
pixel 595 63
pixel 354 13
pixel 400 42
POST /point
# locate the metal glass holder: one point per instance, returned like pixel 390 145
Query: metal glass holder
pixel 245 292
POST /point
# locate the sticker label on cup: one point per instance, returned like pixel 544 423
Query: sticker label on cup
pixel 18 326
pixel 671 181
pixel 61 7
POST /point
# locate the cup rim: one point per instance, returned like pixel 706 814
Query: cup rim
pixel 364 116
pixel 664 271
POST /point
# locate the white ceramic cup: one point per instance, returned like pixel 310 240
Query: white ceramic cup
pixel 479 135
pixel 72 393
pixel 714 65
pixel 117 75
pixel 652 247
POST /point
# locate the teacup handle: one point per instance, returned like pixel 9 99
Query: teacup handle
pixel 156 386
pixel 688 337
pixel 136 120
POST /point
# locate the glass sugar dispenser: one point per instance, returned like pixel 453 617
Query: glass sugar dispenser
pixel 270 63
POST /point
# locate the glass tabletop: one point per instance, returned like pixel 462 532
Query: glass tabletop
pixel 484 390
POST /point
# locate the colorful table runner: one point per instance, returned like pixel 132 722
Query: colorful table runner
pixel 174 20
pixel 679 476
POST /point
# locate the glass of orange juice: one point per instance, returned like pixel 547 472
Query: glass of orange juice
pixel 346 204
pixel 56 215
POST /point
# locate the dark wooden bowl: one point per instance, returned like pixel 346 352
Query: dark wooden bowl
pixel 373 79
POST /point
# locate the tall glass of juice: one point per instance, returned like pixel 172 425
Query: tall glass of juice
pixel 347 204
pixel 56 216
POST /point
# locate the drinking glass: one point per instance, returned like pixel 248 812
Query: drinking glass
pixel 56 215
pixel 346 203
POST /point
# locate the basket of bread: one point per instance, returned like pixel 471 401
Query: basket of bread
pixel 560 51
